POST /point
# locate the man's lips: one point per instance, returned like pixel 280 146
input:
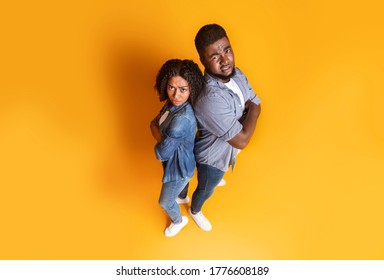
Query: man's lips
pixel 226 68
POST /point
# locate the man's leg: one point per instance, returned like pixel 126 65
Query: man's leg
pixel 183 198
pixel 184 192
pixel 208 177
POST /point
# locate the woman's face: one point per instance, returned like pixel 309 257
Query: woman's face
pixel 178 90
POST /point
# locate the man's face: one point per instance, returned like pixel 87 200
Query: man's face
pixel 218 60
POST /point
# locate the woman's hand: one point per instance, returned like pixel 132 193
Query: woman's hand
pixel 155 129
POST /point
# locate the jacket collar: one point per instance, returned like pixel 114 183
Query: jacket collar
pixel 173 109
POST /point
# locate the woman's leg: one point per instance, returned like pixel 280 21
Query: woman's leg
pixel 167 200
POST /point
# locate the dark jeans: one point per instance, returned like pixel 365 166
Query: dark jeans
pixel 208 177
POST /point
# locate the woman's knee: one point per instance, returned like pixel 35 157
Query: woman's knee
pixel 162 203
pixel 165 203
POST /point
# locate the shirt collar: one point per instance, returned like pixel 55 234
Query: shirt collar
pixel 211 80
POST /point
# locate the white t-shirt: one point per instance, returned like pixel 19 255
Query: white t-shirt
pixel 232 85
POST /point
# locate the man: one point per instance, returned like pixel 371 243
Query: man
pixel 226 110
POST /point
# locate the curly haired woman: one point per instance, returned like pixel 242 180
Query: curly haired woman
pixel 178 82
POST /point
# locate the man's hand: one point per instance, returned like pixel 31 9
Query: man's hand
pixel 248 120
pixel 249 105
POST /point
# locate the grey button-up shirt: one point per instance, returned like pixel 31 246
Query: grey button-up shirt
pixel 217 111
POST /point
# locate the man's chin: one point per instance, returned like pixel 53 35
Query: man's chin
pixel 222 77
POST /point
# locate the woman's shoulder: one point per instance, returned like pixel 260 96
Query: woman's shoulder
pixel 184 109
pixel 182 121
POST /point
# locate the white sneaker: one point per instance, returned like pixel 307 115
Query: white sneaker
pixel 174 229
pixel 221 183
pixel 182 200
pixel 200 220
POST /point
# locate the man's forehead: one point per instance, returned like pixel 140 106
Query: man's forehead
pixel 219 45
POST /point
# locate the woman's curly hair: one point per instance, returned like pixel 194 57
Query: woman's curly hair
pixel 187 69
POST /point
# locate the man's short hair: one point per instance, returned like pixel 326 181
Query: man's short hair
pixel 207 35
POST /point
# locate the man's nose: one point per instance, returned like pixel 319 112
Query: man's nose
pixel 224 59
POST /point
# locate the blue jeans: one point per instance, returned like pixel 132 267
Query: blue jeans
pixel 167 200
pixel 208 177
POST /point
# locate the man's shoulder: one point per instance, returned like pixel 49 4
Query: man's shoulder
pixel 209 95
pixel 239 74
pixel 209 91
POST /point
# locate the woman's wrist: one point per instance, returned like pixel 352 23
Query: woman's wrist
pixel 155 121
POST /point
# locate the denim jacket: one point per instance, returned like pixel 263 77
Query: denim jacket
pixel 176 149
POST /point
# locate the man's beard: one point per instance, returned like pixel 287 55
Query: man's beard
pixel 222 77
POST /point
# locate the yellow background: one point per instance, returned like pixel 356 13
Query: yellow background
pixel 79 179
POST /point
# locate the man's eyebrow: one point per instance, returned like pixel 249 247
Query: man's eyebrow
pixel 216 53
pixel 213 54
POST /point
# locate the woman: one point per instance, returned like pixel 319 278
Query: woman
pixel 174 128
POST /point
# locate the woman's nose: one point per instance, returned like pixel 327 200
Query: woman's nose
pixel 175 94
